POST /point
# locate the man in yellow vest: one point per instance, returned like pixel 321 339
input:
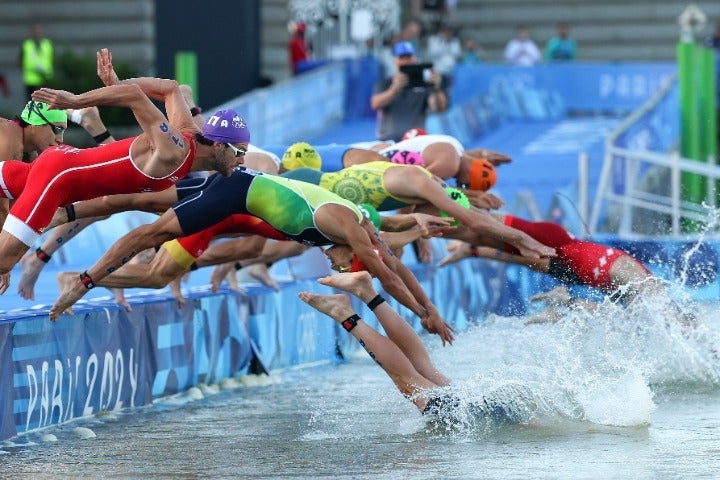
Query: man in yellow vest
pixel 36 61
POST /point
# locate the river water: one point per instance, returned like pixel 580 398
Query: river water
pixel 606 394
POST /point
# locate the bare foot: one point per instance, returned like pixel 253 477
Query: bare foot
pixel 335 306
pixel 31 267
pixel 119 294
pixel 232 281
pixel 260 272
pixel 177 291
pixel 357 283
pixel 218 274
pixel 4 282
pixel 71 290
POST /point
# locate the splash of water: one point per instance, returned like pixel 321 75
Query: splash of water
pixel 602 366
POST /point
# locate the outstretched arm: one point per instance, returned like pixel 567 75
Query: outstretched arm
pixel 431 319
pixel 163 229
pixel 162 89
pixel 459 250
pixel 496 158
pixel 130 96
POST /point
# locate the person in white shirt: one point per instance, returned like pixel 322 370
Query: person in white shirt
pixel 444 51
pixel 521 50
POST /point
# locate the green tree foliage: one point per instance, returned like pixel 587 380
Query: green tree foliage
pixel 77 73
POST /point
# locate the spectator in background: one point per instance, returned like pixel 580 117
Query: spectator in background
pixel 561 48
pixel 713 41
pixel 471 53
pixel 430 12
pixel 400 106
pixel 444 51
pixel 36 61
pixel 385 56
pixel 298 48
pixel 411 33
pixel 522 50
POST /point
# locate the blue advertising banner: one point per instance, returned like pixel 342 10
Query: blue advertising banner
pixel 583 86
pixel 7 394
pixel 74 368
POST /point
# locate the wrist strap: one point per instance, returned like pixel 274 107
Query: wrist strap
pixel 102 137
pixel 350 322
pixel 373 304
pixel 195 111
pixel 86 280
pixel 76 117
pixel 70 211
pixel 42 255
pixel 473 251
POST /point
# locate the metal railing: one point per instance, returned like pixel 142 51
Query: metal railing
pixel 640 191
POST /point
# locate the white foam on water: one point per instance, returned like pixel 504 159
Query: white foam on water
pixel 193 394
pixel 83 433
pixel 624 402
pixel 229 384
pixel 209 389
pixel 47 437
pixel 603 366
pixel 261 380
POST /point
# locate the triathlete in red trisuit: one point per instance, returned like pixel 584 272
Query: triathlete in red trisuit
pixel 154 160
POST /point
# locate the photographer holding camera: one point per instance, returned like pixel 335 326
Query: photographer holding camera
pixel 403 101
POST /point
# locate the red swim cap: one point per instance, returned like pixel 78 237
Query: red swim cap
pixel 358 266
pixel 414 132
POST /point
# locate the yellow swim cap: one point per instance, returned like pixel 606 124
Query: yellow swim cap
pixel 300 155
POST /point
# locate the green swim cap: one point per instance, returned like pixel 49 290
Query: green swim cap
pixel 459 197
pixel 32 112
pixel 371 213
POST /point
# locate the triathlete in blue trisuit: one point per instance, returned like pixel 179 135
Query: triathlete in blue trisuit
pixel 303 212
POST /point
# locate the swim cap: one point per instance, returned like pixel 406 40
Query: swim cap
pixel 371 213
pixel 406 157
pixel 459 198
pixel 32 111
pixel 226 126
pixel 482 174
pixel 300 155
pixel 414 132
